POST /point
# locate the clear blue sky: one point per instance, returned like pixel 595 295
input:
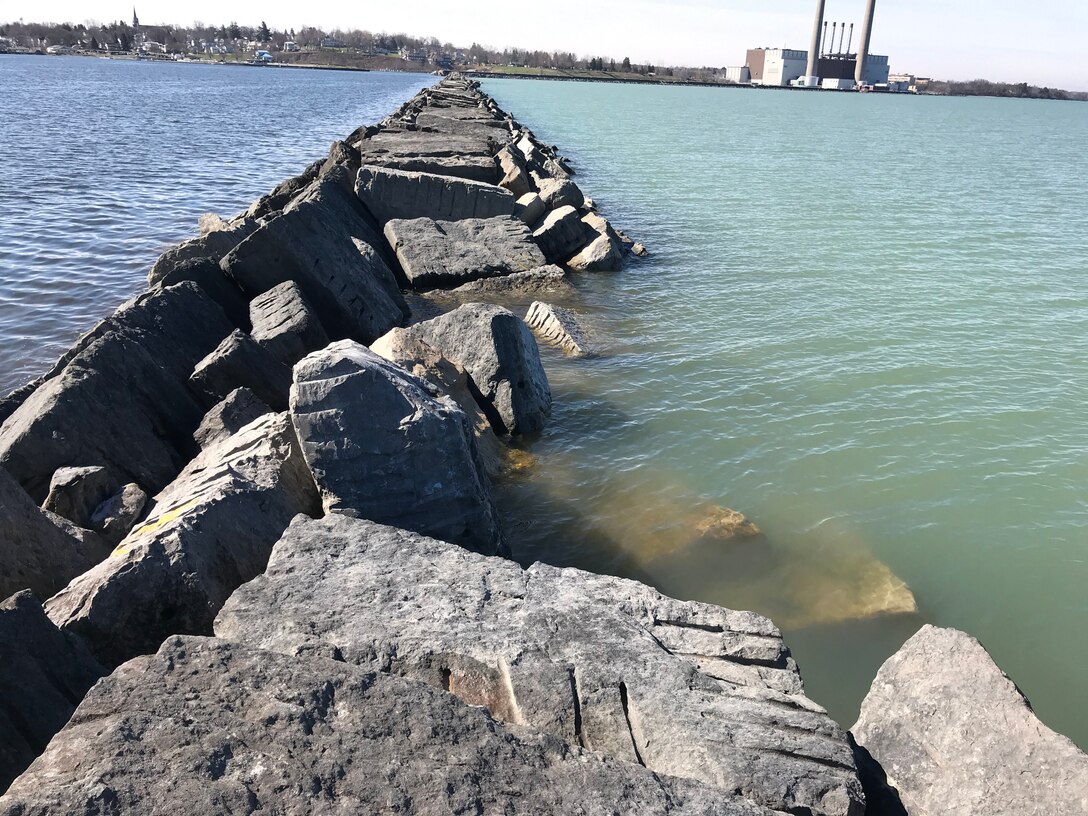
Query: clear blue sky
pixel 1009 40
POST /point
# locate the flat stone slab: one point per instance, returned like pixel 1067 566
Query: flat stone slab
pixel 955 735
pixel 683 688
pixel 389 193
pixel 543 280
pixel 211 530
pixel 206 726
pixel 285 323
pixel 450 253
pixel 385 445
pixel 467 157
pixel 44 673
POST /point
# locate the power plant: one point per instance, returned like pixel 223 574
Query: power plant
pixel 825 65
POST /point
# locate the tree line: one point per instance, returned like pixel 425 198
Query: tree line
pixel 1019 90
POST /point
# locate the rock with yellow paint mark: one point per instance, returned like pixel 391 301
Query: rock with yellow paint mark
pixel 210 531
pixel 43 675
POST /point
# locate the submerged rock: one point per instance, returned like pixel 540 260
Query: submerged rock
pixel 38 550
pixel 498 351
pixel 724 524
pixel 44 673
pixel 222 728
pixel 683 688
pixel 955 735
pixel 384 445
pixel 211 530
pixel 448 253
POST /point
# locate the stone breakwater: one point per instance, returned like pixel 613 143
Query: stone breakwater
pixel 254 563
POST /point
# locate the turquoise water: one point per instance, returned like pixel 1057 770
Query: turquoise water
pixel 864 324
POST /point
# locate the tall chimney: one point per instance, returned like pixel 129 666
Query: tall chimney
pixel 842 35
pixel 814 49
pixel 863 44
pixel 825 34
pixel 850 39
pixel 831 43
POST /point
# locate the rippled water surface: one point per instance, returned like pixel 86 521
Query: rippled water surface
pixel 105 163
pixel 865 325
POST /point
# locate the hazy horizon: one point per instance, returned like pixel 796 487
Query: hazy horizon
pixel 1000 40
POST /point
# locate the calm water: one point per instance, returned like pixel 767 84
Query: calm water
pixel 108 162
pixel 863 325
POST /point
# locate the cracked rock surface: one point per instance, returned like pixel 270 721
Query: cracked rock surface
pixel 683 688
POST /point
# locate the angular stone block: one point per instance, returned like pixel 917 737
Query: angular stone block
pixel 389 193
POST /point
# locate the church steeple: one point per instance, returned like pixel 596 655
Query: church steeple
pixel 135 19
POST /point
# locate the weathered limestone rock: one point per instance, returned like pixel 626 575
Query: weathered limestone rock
pixel 602 254
pixel 211 530
pixel 382 446
pixel 285 324
pixel 206 726
pixel 39 551
pixel 75 493
pixel 323 242
pixel 559 192
pixel 545 279
pixel 280 197
pixel 499 353
pixel 559 327
pixel 208 275
pixel 402 194
pixel 239 408
pixel 119 397
pixel 424 361
pixel 44 673
pixel 529 208
pixel 239 362
pixel 724 524
pixel 562 234
pixel 467 157
pixel 117 515
pixel 956 736
pixel 515 178
pixel 683 688
pixel 437 253
pixel 212 245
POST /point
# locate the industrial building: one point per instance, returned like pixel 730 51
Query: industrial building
pixel 826 64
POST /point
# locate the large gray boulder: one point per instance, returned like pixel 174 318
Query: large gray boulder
pixel 44 673
pixel 119 398
pixel 955 735
pixel 38 550
pixel 683 688
pixel 563 234
pixel 450 253
pixel 466 157
pixel 206 726
pixel 323 242
pixel 389 193
pixel 285 324
pixel 385 445
pixel 211 530
pixel 212 245
pixel 209 276
pixel 422 360
pixel 239 362
pixel 559 192
pixel 499 353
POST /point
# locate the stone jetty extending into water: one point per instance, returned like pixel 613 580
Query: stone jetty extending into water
pixel 252 561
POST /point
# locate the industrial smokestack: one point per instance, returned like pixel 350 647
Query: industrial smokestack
pixel 814 50
pixel 831 42
pixel 842 36
pixel 850 39
pixel 863 44
pixel 825 34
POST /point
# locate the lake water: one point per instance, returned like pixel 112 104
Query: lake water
pixel 864 324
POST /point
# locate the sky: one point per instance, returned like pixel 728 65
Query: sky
pixel 1042 43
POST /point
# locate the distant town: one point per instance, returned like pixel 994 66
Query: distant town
pixel 310 47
